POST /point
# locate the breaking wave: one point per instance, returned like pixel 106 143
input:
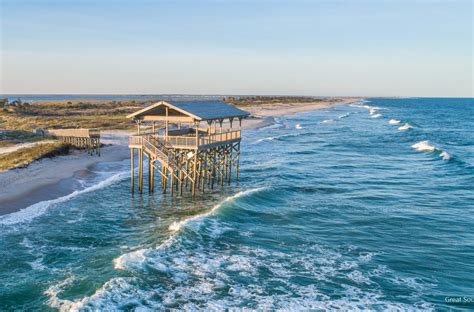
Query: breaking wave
pixel 138 256
pixel 426 146
pixel 445 155
pixel 373 110
pixel 213 281
pixel 272 138
pixel 406 126
pixel 31 212
pixel 176 226
pixel 344 115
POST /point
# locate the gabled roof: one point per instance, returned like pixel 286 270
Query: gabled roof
pixel 199 110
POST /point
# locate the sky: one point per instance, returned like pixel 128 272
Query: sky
pixel 272 47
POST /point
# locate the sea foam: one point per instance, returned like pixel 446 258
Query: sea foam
pixel 104 298
pixel 137 257
pixel 426 146
pixel 406 126
pixel 394 121
pixel 198 278
pixel 344 115
pixel 373 110
pixel 445 155
pixel 278 137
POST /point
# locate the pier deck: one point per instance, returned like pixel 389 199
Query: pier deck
pixel 81 138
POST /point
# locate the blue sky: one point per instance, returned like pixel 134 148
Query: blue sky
pixel 366 48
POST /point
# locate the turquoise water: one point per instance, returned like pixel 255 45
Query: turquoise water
pixel 364 206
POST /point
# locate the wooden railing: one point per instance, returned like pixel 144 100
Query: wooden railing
pixel 219 137
pixel 188 141
pixel 135 140
pixel 78 133
pixel 179 140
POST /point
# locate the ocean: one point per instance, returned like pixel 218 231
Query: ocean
pixel 361 206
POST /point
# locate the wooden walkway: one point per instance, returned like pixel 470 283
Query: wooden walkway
pixel 88 139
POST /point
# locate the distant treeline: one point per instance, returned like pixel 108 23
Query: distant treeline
pixel 255 100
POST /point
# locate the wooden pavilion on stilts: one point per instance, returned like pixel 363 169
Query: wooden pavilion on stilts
pixel 192 145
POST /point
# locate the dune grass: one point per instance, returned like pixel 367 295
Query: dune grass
pixel 10 138
pixel 24 156
pixel 76 114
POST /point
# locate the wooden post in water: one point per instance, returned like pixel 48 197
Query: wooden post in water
pixel 194 174
pixel 132 169
pixel 230 163
pixel 172 183
pixel 140 170
pixel 152 180
pixel 165 179
pixel 181 174
pixel 149 175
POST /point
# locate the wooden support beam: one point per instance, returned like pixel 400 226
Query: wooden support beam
pixel 237 163
pixel 230 163
pixel 165 179
pixel 132 169
pixel 181 182
pixel 149 174
pixel 172 184
pixel 140 170
pixel 194 174
pixel 152 177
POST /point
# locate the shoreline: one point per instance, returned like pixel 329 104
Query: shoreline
pixel 49 179
pixel 52 178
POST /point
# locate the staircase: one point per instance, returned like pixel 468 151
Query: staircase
pixel 178 164
pixel 159 151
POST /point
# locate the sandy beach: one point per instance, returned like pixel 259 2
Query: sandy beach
pixel 48 179
pixel 262 115
pixel 41 180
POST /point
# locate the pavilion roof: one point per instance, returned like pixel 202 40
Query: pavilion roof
pixel 198 110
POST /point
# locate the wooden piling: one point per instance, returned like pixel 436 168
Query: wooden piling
pixel 132 169
pixel 140 171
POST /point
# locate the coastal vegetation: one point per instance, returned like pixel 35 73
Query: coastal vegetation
pixel 70 114
pixel 13 137
pixel 261 100
pixel 24 156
